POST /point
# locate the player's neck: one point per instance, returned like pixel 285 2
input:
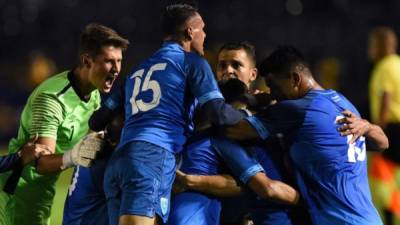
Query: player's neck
pixel 83 86
pixel 185 45
pixel 308 85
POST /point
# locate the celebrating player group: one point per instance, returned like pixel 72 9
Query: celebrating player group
pixel 173 143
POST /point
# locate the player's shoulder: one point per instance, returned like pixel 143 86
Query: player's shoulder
pixel 347 104
pixel 323 101
pixel 331 101
pixel 55 85
pixel 194 59
pixel 314 100
pixel 48 91
pixel 300 104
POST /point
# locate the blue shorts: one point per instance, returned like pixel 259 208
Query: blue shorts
pixel 194 208
pixel 85 203
pixel 138 181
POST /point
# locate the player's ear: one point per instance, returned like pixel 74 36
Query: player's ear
pixel 296 79
pixel 189 33
pixel 85 60
pixel 253 74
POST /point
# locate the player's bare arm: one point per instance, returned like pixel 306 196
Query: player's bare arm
pixel 222 185
pixel 32 151
pixel 273 190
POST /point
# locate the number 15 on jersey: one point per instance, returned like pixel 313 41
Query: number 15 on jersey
pixel 144 83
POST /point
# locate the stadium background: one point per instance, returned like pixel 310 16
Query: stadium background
pixel 39 38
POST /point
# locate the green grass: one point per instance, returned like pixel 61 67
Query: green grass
pixel 61 193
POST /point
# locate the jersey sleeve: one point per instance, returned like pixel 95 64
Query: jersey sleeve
pixel 279 118
pixel 9 162
pixel 47 116
pixel 201 79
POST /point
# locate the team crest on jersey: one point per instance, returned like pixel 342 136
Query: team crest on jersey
pixel 164 205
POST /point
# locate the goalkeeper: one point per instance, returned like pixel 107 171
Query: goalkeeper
pixel 58 111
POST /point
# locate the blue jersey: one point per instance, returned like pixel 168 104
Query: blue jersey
pixel 194 208
pixel 160 97
pixel 331 174
pixel 201 158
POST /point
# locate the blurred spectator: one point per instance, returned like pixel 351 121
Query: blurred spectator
pixel 328 70
pixel 385 111
pixel 40 67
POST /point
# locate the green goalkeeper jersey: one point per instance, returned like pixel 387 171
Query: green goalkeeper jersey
pixel 53 110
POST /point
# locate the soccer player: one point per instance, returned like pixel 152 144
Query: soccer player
pixel 235 60
pixel 331 169
pixel 160 98
pixel 58 112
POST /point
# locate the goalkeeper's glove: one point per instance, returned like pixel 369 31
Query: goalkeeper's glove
pixel 84 152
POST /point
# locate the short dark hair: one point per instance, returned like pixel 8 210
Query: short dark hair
pixel 94 36
pixel 281 61
pixel 245 45
pixel 174 17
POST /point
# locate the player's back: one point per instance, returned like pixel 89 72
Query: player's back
pixel 332 174
pixel 160 97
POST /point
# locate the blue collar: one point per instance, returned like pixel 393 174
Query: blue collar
pixel 173 45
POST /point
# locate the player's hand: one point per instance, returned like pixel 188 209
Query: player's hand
pixel 85 151
pixel 353 125
pixel 32 151
pixel 186 180
pixel 180 182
